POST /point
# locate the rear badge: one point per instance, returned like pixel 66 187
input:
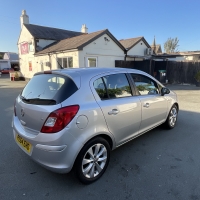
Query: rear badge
pixel 23 123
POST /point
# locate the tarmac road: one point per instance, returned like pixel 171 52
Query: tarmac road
pixel 161 164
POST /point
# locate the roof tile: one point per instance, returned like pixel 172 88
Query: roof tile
pixel 72 43
pixel 42 32
pixel 129 43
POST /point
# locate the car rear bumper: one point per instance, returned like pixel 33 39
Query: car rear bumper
pixel 56 152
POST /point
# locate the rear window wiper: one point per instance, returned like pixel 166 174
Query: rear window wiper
pixel 38 101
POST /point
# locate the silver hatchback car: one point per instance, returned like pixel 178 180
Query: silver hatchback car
pixel 73 118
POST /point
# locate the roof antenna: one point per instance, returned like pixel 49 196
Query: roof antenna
pixel 56 60
pixel 59 64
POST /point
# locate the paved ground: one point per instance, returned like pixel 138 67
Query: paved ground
pixel 158 165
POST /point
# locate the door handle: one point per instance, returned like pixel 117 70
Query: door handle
pixel 113 112
pixel 146 105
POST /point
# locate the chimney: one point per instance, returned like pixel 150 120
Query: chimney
pixel 24 19
pixel 84 29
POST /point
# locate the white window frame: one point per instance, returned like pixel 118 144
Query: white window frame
pixel 87 61
pixel 58 66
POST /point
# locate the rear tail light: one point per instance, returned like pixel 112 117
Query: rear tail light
pixel 47 72
pixel 15 109
pixel 59 119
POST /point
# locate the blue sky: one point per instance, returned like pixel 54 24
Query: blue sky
pixel 123 18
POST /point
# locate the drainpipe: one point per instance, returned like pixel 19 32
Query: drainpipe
pixel 125 57
pixel 125 52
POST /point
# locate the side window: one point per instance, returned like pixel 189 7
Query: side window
pixel 100 89
pixel 145 85
pixel 117 86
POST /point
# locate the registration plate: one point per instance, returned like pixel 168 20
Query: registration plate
pixel 26 145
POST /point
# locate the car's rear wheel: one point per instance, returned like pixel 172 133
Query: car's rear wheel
pixel 172 117
pixel 93 160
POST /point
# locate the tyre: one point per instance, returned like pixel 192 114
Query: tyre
pixel 92 160
pixel 172 118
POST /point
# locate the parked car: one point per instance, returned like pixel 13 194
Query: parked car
pixel 73 118
pixel 6 70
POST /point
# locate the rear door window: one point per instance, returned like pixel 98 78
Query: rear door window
pixel 101 89
pixel 48 89
pixel 113 86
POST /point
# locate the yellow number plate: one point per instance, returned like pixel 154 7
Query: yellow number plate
pixel 26 145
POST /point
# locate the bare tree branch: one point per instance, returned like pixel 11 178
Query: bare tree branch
pixel 171 45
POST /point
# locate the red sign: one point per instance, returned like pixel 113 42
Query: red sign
pixel 24 48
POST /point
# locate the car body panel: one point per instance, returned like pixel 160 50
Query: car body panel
pixel 58 151
pixel 126 123
pixel 33 116
pixel 154 111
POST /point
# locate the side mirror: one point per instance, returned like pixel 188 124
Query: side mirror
pixel 164 91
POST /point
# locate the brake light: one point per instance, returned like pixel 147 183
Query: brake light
pixel 59 119
pixel 47 72
pixel 15 109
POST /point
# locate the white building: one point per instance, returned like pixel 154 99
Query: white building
pixel 10 60
pixel 43 48
pixel 136 48
pixel 193 56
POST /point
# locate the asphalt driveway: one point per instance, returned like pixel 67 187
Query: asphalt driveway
pixel 161 164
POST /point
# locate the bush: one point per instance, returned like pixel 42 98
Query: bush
pixel 197 76
pixel 16 75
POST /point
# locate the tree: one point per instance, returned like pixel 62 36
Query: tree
pixel 171 45
pixel 1 55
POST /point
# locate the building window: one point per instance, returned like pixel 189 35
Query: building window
pixel 66 62
pixel 31 47
pixel 30 65
pixel 92 62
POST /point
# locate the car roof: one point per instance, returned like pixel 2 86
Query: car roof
pixel 87 73
pixel 93 71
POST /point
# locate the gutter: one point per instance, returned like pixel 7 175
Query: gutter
pixel 55 52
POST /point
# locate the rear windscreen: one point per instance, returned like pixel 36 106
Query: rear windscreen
pixel 48 89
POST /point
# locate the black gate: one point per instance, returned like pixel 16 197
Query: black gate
pixel 176 72
pixel 146 65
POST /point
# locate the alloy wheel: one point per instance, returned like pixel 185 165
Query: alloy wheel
pixel 173 117
pixel 94 160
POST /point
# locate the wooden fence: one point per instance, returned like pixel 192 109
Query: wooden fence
pixel 176 72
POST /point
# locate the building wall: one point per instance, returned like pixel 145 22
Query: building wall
pixel 74 54
pixel 180 58
pixel 139 49
pixel 4 64
pixel 105 52
pixel 43 43
pixel 193 57
pixel 38 63
pixel 24 59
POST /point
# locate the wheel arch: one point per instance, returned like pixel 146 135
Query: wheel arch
pixel 176 104
pixel 102 135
